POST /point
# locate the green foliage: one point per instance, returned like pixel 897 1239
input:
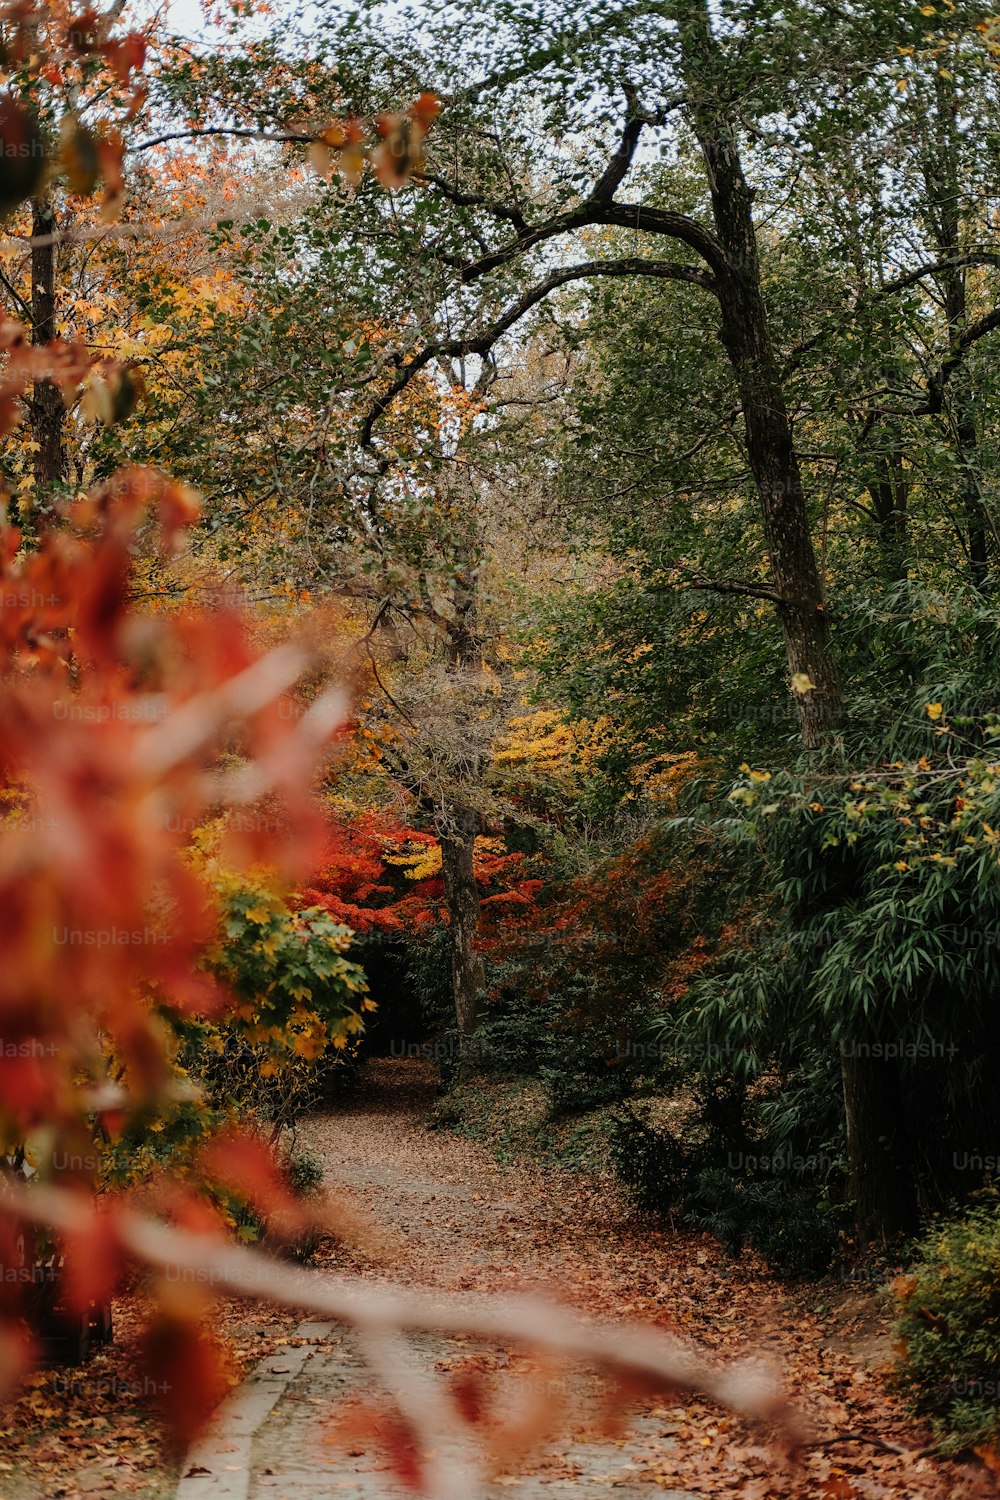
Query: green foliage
pixel 298 1003
pixel 949 1327
pixel 773 1201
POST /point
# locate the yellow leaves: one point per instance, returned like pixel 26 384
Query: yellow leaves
pixel 417 863
pixel 933 711
pixel 308 1045
pixel 539 737
pixel 901 865
pixel 259 914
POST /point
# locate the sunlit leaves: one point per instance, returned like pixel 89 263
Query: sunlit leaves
pixel 342 148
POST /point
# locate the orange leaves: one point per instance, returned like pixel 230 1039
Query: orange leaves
pixel 126 56
pixel 903 1288
pixel 401 153
pixel 65 365
pixel 341 147
pixel 83 34
pixel 79 157
pixel 112 393
pixel 109 721
pixel 87 36
pixel 72 67
pixel 359 1425
pixel 92 1256
pixel 111 158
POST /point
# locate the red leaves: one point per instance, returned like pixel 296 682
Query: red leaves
pixel 187 1370
pixel 22 153
pixel 244 1165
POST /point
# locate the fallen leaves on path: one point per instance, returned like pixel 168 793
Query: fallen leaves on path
pixel 473 1225
pixel 76 1431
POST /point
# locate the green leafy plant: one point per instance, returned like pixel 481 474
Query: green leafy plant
pixel 949 1331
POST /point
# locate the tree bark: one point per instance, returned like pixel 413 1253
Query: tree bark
pixel 46 412
pixel 881 1177
pixel 746 337
pixel 458 843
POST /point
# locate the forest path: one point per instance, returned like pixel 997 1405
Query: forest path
pixel 438 1211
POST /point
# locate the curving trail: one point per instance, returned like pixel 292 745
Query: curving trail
pixel 437 1210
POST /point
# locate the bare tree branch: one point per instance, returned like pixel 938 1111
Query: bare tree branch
pixel 935 268
pixel 954 358
pixel 720 586
pixel 623 215
pixel 286 138
pixel 462 199
pixel 617 169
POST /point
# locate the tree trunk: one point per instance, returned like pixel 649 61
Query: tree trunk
pixel 461 892
pixel 458 832
pixel 881 1177
pixel 944 200
pixel 746 337
pixel 46 412
pixel 875 1172
pixel 890 494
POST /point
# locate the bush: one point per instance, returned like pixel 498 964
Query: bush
pixel 784 1218
pixel 949 1330
pixel 304 1171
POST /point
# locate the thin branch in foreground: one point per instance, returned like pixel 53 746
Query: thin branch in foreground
pixel 645 1354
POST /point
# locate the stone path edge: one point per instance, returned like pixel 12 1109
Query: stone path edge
pixel 223 1455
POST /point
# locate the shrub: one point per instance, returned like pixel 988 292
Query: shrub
pixel 785 1218
pixel 305 1171
pixel 949 1331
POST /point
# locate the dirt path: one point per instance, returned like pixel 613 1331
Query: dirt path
pixel 442 1214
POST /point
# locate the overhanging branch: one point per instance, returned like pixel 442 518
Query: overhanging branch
pixel 287 138
pixel 482 342
pixel 745 587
